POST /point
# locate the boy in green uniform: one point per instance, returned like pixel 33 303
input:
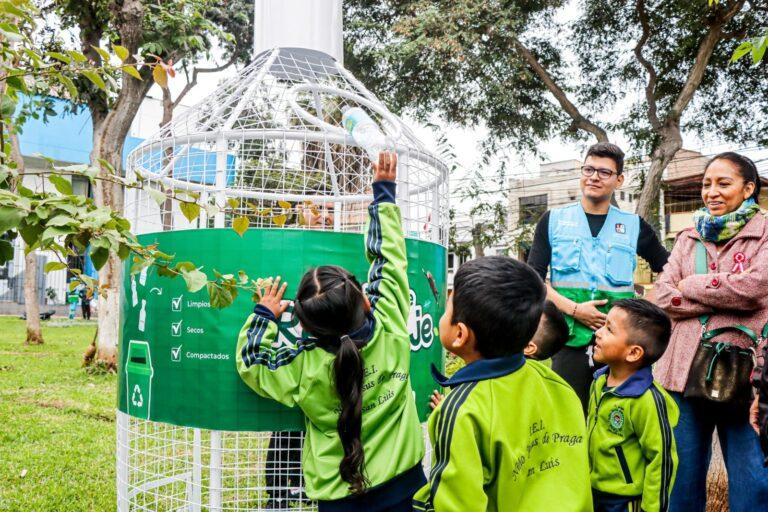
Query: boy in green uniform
pixel 510 435
pixel 632 452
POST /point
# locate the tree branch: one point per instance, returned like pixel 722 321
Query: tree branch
pixel 579 121
pixel 706 48
pixel 193 82
pixel 650 88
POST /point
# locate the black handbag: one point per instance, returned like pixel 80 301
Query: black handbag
pixel 721 369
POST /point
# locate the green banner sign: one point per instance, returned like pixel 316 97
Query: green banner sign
pixel 177 354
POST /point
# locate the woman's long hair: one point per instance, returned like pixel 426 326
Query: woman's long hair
pixel 330 305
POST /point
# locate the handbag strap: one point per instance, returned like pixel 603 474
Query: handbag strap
pixel 701 268
pixel 708 335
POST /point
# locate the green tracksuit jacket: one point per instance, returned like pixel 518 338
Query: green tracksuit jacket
pixel 303 374
pixel 631 443
pixel 510 436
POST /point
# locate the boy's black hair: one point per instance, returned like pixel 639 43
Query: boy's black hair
pixel 552 334
pixel 501 300
pixel 649 327
pixel 608 150
pixel 747 169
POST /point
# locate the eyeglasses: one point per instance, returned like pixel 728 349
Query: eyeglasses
pixel 604 174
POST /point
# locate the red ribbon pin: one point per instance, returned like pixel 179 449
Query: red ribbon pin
pixel 739 258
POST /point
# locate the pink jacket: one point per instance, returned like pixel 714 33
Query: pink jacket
pixel 726 293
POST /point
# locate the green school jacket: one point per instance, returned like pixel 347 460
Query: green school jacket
pixel 509 436
pixel 303 374
pixel 631 443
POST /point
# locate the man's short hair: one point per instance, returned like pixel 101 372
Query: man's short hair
pixel 553 332
pixel 608 150
pixel 648 326
pixel 501 300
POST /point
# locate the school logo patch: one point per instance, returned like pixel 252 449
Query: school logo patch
pixel 616 420
pixel 621 228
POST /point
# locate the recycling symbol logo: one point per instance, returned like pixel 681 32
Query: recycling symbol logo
pixel 137 399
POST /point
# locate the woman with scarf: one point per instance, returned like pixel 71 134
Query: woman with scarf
pixel 717 277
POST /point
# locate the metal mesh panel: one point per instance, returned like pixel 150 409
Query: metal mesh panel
pixel 269 145
pixel 164 467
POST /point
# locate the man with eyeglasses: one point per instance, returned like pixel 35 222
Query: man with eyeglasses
pixel 590 248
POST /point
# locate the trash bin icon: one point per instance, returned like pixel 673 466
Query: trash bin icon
pixel 138 379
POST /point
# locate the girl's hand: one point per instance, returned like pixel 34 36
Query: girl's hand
pixel 386 169
pixel 272 298
pixel 435 400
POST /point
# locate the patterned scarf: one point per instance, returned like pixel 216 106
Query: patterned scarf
pixel 713 228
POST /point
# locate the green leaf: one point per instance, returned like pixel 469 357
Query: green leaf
pixel 7 106
pixel 66 59
pixel 94 77
pixel 61 220
pixel 195 280
pixel 73 284
pixel 158 196
pixel 233 203
pixel 220 297
pixel 121 52
pixel 6 251
pixel 123 251
pixel 190 210
pixel 758 52
pixel 52 232
pixel 99 256
pixel 70 85
pixel 242 276
pixel 742 50
pixel 77 56
pixel 17 83
pixel 62 184
pixel 31 233
pixel 164 271
pixel 54 265
pixel 101 51
pixel 10 218
pixel 240 225
pixel 131 70
pixel 184 266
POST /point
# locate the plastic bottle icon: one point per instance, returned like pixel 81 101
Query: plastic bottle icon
pixel 143 315
pixel 138 379
pixel 365 131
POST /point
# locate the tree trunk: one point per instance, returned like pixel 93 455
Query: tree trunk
pixel 31 304
pixel 671 142
pixel 31 298
pixel 108 141
pixel 167 209
pixel 477 240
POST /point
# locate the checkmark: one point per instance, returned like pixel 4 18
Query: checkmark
pixel 176 328
pixel 176 303
pixel 176 353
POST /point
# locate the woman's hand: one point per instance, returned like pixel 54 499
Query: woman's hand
pixel 272 298
pixel 386 169
pixel 588 314
pixel 754 412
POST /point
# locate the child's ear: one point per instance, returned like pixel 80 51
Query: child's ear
pixel 530 350
pixel 635 354
pixel 463 337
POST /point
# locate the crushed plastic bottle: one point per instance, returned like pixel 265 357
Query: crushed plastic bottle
pixel 365 131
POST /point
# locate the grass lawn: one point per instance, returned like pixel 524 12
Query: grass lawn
pixel 57 422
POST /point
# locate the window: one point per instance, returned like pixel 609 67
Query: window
pixel 450 261
pixel 621 195
pixel 532 207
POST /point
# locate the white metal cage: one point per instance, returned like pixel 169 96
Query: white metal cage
pixel 267 145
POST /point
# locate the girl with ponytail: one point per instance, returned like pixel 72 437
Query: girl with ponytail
pixel 350 372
